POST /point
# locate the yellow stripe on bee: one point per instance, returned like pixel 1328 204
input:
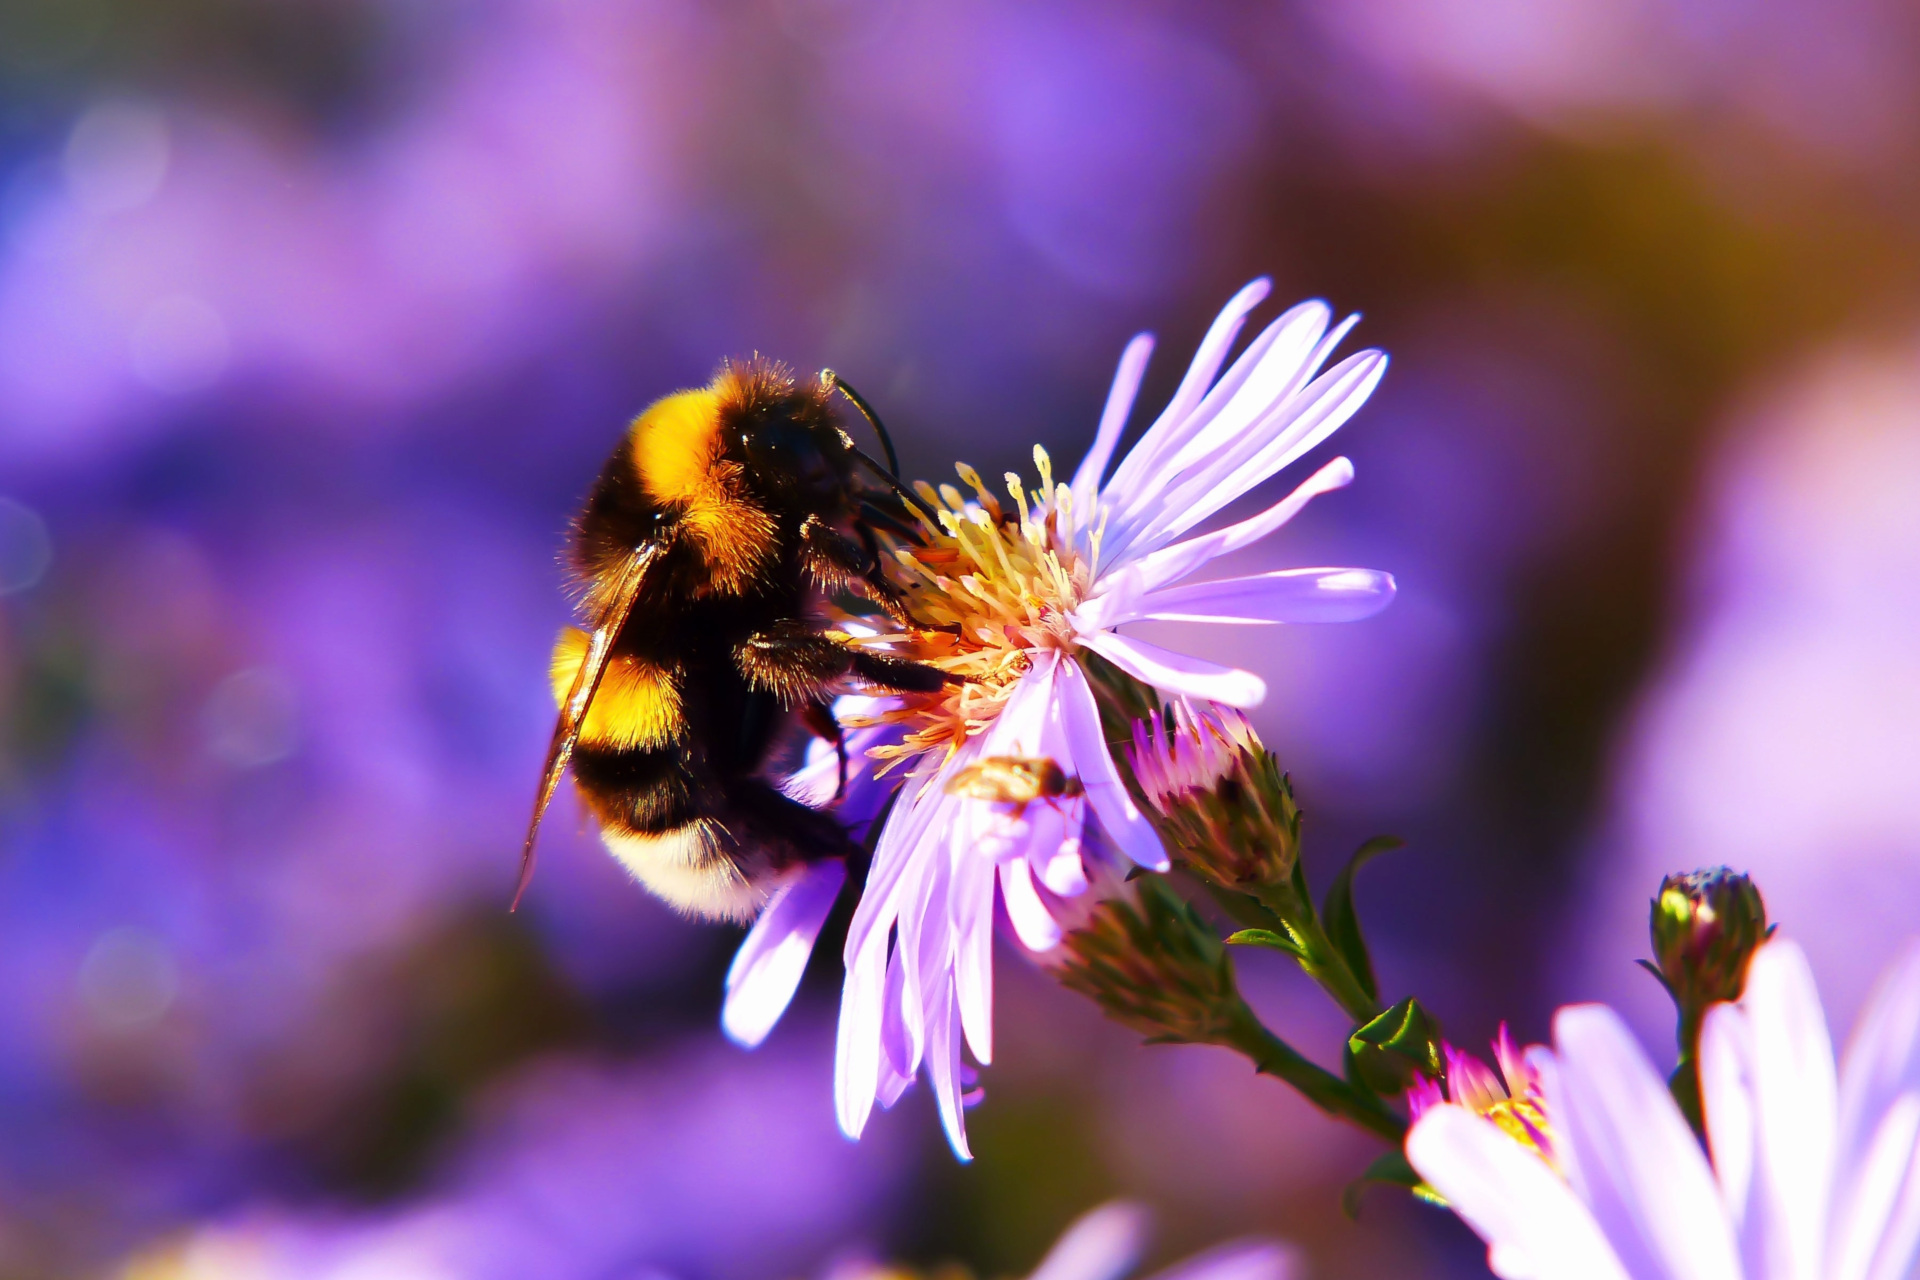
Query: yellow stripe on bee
pixel 638 706
pixel 679 455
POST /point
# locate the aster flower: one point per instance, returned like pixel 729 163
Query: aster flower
pixel 1814 1174
pixel 1013 597
pixel 767 968
pixel 1513 1097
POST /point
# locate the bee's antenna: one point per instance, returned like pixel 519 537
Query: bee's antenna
pixel 832 382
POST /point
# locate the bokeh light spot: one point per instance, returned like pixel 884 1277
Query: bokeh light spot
pixel 128 980
pixel 251 719
pixel 116 157
pixel 180 345
pixel 26 549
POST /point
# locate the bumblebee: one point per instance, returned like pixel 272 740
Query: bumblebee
pixel 705 555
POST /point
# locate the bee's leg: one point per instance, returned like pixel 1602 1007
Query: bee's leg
pixel 797 665
pixel 898 674
pixel 818 716
pixel 838 563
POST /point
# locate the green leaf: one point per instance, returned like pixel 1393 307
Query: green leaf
pixel 1342 925
pixel 1391 1169
pixel 1266 938
pixel 1386 1053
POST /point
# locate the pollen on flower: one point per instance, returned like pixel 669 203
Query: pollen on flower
pixel 988 583
pixel 1512 1098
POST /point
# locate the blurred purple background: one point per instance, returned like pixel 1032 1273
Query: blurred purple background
pixel 318 316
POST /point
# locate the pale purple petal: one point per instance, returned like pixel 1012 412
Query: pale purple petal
pixel 1286 595
pixel 1127 828
pixel 943 1064
pixel 1237 1260
pixel 1032 923
pixel 1899 1242
pixel 1795 1105
pixel 1177 672
pixel 1064 870
pixel 1170 564
pixel 1639 1168
pixel 1113 419
pixel 1273 367
pixel 1879 1074
pixel 1103 1244
pixel 923 944
pixel 856 1061
pixel 767 969
pixel 1872 1215
pixel 906 826
pixel 973 880
pixel 1726 1098
pixel 1294 428
pixel 1207 360
pixel 900 1048
pixel 1534 1225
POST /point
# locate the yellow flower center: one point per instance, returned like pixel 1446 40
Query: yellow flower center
pixel 988 585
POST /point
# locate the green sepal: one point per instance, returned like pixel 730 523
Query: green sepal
pixel 1390 1169
pixel 1658 977
pixel 1342 925
pixel 1266 938
pixel 1385 1054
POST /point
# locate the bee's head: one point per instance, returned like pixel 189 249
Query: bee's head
pixel 783 434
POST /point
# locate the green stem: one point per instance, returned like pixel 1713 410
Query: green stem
pixel 1322 960
pixel 1275 1057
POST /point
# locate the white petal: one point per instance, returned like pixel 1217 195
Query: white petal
pixel 1534 1225
pixel 1880 1072
pixel 1032 923
pixel 1294 428
pixel 1079 719
pixel 767 969
pixel 1795 1106
pixel 1640 1169
pixel 1101 1245
pixel 1170 564
pixel 1286 595
pixel 856 1060
pixel 1726 1098
pixel 1178 672
pixel 1113 419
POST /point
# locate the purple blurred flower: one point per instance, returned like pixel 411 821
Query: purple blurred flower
pixel 709 1164
pixel 1027 597
pixel 1812 1174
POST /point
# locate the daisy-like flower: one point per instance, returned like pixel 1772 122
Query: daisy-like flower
pixel 1012 594
pixel 1814 1174
pixel 1513 1098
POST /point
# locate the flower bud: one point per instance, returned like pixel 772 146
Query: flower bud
pixel 1223 805
pixel 1154 965
pixel 1706 926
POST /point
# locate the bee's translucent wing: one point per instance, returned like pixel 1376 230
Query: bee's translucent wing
pixel 586 682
